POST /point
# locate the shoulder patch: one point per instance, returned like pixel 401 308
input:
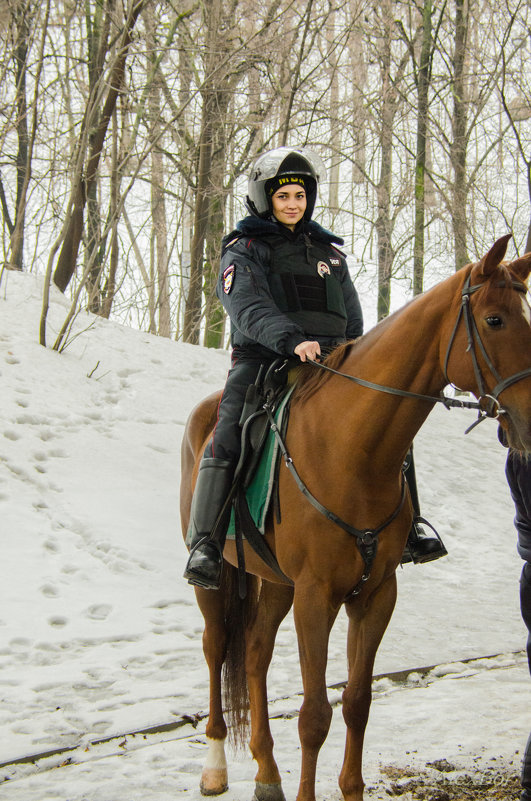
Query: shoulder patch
pixel 232 242
pixel 228 278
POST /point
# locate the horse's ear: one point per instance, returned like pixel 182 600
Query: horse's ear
pixel 521 267
pixel 491 260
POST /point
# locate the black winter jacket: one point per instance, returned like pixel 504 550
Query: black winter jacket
pixel 245 287
pixel 518 472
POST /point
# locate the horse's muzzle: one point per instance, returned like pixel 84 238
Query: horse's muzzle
pixel 518 431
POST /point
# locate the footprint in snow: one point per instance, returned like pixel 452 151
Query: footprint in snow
pixel 57 622
pixel 49 591
pixel 98 611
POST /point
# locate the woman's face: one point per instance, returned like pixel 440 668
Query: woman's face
pixel 289 205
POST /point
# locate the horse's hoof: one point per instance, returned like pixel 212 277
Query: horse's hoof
pixel 268 792
pixel 214 781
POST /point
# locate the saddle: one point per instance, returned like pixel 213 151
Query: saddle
pixel 265 420
pixel 257 470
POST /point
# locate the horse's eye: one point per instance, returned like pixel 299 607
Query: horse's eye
pixel 494 321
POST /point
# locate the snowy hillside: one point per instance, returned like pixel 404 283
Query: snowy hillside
pixel 100 635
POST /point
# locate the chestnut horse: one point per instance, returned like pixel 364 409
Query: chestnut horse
pixel 348 443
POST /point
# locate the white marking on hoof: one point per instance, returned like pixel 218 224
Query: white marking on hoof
pixel 214 779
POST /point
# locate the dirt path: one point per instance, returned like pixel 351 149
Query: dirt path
pixel 442 782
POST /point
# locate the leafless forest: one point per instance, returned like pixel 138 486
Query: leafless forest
pixel 127 128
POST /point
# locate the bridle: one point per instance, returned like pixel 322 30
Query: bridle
pixel 493 407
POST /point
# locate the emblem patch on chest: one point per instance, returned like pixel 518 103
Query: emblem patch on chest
pixel 228 279
pixel 323 268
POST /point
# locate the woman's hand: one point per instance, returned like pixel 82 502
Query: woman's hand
pixel 308 350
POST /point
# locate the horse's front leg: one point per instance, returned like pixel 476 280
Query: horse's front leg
pixel 314 616
pixel 368 619
pixel 274 604
pixel 214 778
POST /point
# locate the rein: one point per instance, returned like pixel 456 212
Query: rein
pixel 367 539
pixel 494 408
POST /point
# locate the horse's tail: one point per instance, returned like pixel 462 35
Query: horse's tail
pixel 239 614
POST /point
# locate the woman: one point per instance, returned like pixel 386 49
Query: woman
pixel 288 292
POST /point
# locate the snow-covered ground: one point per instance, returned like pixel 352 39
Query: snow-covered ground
pixel 100 636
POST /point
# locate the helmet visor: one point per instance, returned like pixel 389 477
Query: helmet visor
pixel 304 161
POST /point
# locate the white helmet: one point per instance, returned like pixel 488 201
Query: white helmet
pixel 284 161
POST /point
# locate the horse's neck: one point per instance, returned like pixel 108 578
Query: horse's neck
pixel 403 352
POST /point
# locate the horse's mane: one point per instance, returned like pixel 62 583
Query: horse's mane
pixel 311 379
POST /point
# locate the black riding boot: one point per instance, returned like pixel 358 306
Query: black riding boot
pixel 420 546
pixel 208 533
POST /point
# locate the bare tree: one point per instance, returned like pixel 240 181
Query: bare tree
pixel 518 108
pixel 143 130
pixel 158 197
pixel 25 17
pixel 227 60
pixel 391 76
pixel 91 139
pixel 423 84
pixel 458 149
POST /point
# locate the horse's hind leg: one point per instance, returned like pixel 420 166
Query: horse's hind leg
pixel 214 779
pixel 367 624
pixel 274 603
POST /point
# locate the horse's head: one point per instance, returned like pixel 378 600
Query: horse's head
pixel 495 331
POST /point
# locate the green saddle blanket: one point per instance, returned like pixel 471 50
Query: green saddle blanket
pixel 260 491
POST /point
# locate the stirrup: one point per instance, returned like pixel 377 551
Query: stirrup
pixel 435 551
pixel 207 573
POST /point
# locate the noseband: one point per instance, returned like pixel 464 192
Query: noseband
pixel 493 407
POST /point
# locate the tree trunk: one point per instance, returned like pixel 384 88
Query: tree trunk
pixel 26 141
pixel 420 165
pixel 85 178
pixel 213 122
pixel 192 312
pixel 160 230
pixel 97 45
pixel 336 128
pixel 158 201
pixel 214 315
pixel 21 54
pixel 110 285
pixel 458 150
pixel 383 189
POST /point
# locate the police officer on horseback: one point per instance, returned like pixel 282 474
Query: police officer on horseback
pixel 287 290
